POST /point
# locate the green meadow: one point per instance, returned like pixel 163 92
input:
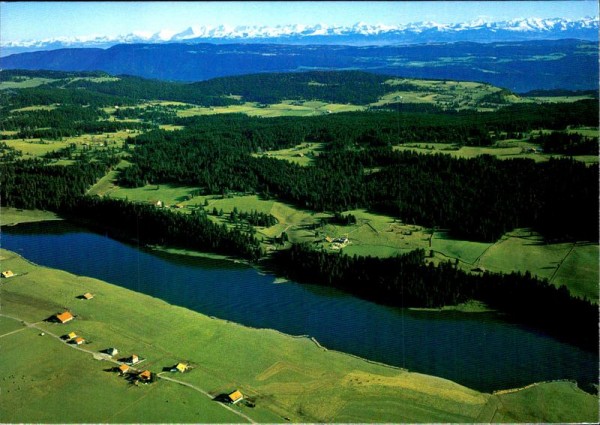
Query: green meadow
pixel 302 154
pixel 33 148
pixel 286 378
pixel 11 216
pixel 24 83
pixel 446 94
pixel 503 150
pixel 286 108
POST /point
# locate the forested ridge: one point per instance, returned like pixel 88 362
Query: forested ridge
pixel 479 198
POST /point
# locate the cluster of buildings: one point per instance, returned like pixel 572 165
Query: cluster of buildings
pixel 126 365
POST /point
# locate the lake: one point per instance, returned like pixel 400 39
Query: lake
pixel 478 350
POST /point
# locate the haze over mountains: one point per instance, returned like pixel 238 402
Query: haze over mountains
pixel 519 55
pixel 517 66
pixel 479 30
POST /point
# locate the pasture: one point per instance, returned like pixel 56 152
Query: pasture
pixel 47 380
pixel 302 154
pixel 166 193
pixel 286 108
pixel 446 94
pixel 24 83
pixel 34 148
pixel 578 271
pixel 574 265
pixel 10 216
pixel 502 150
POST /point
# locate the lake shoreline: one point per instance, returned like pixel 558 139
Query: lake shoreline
pixel 7 255
pixel 460 315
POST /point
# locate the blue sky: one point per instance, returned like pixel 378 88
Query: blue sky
pixel 42 20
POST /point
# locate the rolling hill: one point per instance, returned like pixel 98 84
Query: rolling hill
pixel 517 66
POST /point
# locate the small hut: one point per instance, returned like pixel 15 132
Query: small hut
pixel 235 397
pixel 7 273
pixel 63 317
pixel 180 367
pixel 111 351
pixel 123 369
pixel 145 376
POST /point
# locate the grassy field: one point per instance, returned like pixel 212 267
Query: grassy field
pixel 10 216
pixel 33 148
pixel 167 194
pixel 35 108
pixel 453 94
pixel 302 154
pixel 574 265
pixel 578 271
pixel 286 108
pixel 467 252
pixel 504 150
pixel 26 83
pixel 46 380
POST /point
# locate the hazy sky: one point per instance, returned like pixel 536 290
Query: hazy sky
pixel 42 20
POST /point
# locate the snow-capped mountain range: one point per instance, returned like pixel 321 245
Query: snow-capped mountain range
pixel 360 33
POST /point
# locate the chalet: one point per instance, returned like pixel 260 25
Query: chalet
pixel 134 359
pixel 64 317
pixel 235 397
pixel 78 341
pixel 180 367
pixel 123 369
pixel 71 335
pixel 87 296
pixel 8 273
pixel 111 351
pixel 145 376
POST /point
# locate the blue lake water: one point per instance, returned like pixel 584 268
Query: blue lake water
pixel 478 350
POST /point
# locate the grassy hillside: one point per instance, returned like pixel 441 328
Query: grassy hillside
pixel 47 380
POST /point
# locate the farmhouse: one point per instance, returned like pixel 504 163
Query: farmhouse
pixel 71 335
pixel 111 351
pixel 180 367
pixel 64 317
pixel 7 274
pixel 123 369
pixel 145 376
pixel 134 359
pixel 78 341
pixel 235 397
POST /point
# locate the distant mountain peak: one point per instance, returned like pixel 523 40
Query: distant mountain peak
pixel 361 33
